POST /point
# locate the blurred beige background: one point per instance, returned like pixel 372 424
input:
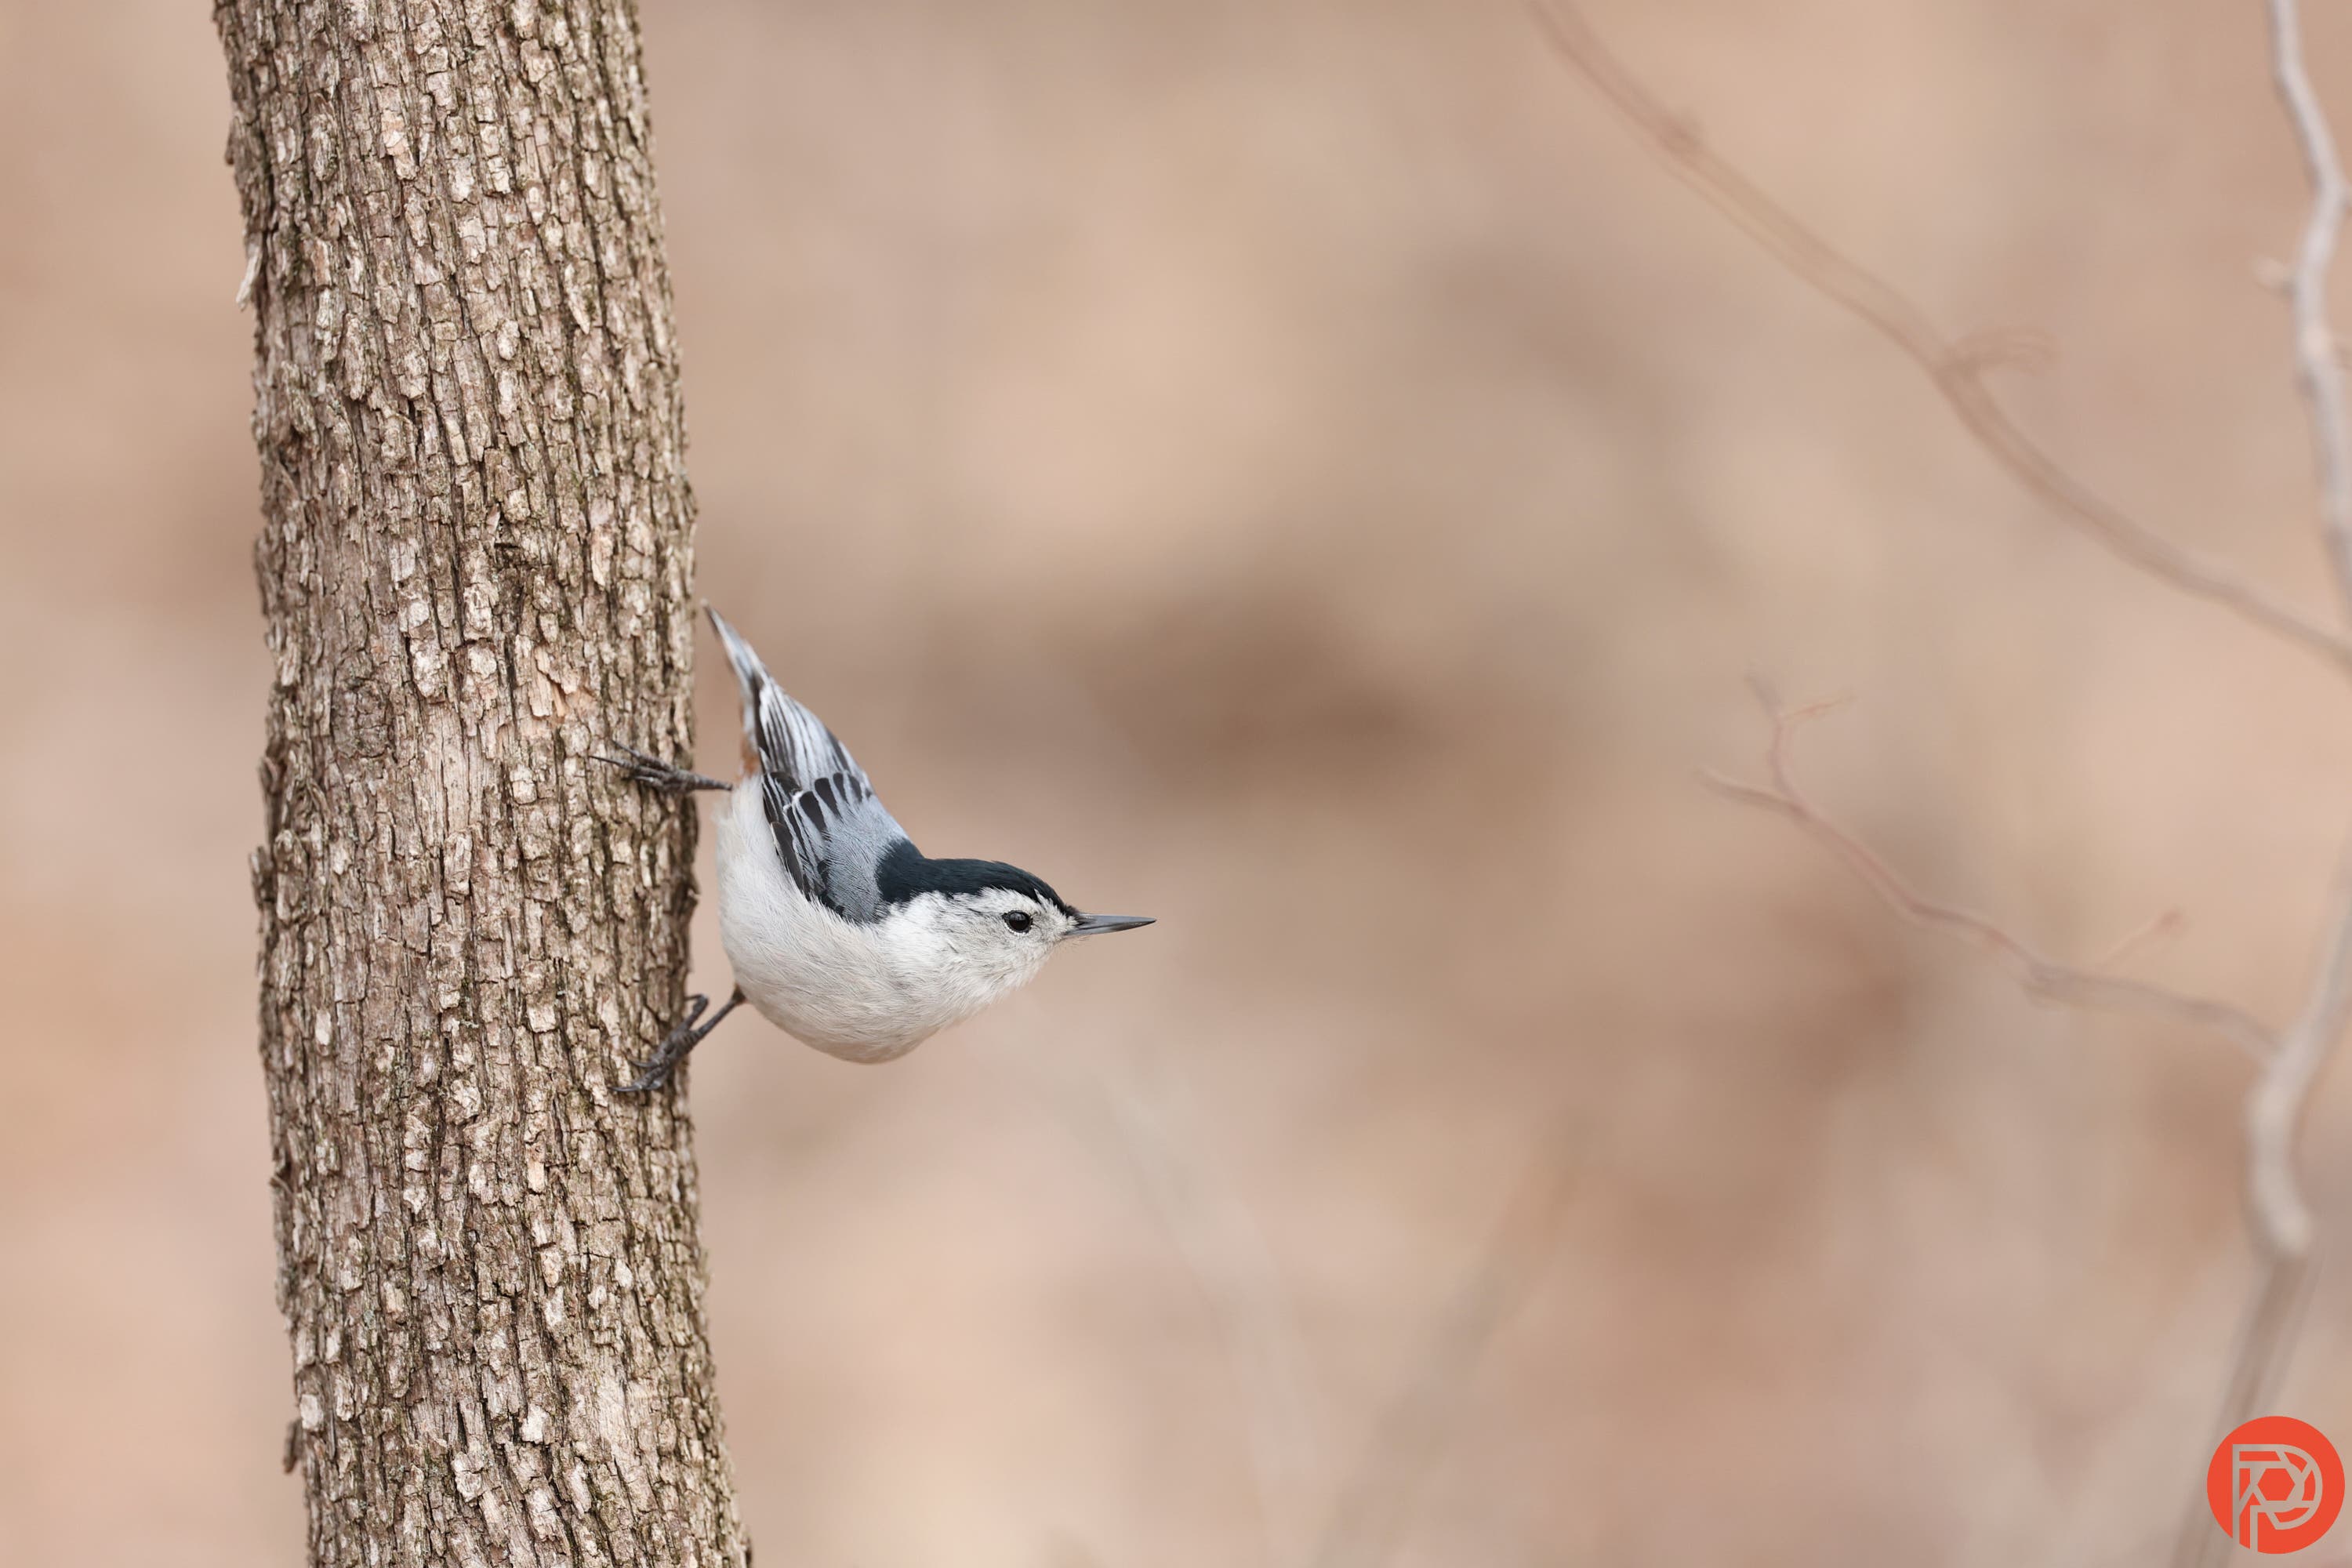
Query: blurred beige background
pixel 1302 472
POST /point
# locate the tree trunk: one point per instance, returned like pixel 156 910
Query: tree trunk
pixel 475 563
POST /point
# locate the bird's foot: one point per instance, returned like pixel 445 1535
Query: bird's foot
pixel 688 1033
pixel 640 767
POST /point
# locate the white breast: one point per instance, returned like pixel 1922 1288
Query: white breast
pixel 864 992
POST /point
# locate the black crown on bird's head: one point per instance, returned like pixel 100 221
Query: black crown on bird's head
pixel 906 872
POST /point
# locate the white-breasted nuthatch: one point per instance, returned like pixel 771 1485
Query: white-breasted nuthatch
pixel 841 932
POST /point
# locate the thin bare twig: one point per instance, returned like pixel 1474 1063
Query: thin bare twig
pixel 2266 1331
pixel 2276 1211
pixel 2275 1105
pixel 2316 369
pixel 2291 1063
pixel 1955 368
pixel 2044 978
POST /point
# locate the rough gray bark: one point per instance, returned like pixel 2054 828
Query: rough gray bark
pixel 475 563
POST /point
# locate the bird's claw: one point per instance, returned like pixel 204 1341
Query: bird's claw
pixel 651 1075
pixel 644 768
pixel 684 1037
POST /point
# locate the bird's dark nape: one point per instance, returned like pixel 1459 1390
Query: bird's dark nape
pixel 906 872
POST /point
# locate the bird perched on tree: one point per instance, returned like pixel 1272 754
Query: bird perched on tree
pixel 841 932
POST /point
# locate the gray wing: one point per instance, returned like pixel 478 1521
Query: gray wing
pixel 832 837
pixel 830 830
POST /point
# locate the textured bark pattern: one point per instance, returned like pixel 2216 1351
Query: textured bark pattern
pixel 474 565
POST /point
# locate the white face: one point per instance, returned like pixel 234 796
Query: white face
pixel 989 941
pixel 1017 928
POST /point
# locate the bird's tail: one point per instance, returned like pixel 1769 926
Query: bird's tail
pixel 751 677
pixel 780 737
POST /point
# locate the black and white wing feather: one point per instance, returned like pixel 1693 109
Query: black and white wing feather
pixel 830 830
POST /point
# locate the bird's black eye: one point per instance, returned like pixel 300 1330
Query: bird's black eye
pixel 1019 920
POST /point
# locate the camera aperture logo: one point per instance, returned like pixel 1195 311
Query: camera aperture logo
pixel 2276 1484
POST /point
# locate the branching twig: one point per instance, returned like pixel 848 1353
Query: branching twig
pixel 2043 978
pixel 2291 1059
pixel 1955 368
pixel 2275 1105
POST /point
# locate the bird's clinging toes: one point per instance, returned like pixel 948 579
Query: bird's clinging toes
pixel 841 932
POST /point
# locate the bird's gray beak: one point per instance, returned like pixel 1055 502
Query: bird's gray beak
pixel 1096 925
